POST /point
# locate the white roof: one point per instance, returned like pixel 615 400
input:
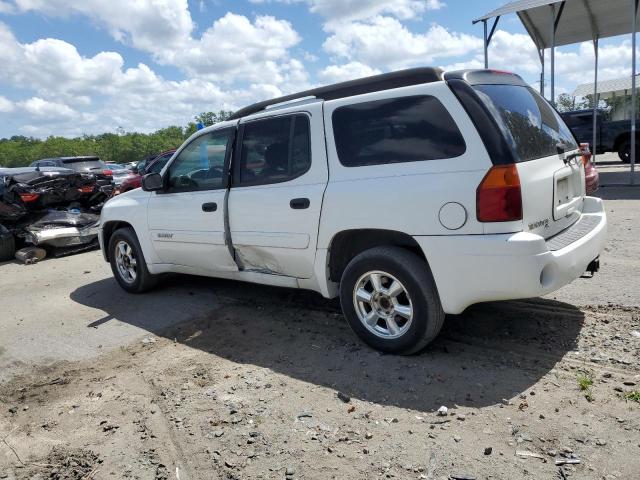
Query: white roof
pixel 605 87
pixel 581 20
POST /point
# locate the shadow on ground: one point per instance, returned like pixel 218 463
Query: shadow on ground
pixel 491 352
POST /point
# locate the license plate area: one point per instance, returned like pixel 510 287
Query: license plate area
pixel 568 190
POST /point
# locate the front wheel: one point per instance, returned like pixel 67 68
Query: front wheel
pixel 127 262
pixel 390 300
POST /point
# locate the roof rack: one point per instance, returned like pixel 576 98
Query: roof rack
pixel 385 81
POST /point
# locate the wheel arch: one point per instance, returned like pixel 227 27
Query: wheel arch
pixel 620 139
pixel 108 230
pixel 346 244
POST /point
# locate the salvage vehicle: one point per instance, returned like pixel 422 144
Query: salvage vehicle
pixel 611 136
pixel 81 164
pixel 409 195
pixel 118 171
pixel 51 207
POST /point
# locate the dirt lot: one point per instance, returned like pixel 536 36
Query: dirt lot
pixel 212 379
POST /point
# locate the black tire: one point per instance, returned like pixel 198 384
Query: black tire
pixel 143 280
pixel 415 276
pixel 7 245
pixel 624 151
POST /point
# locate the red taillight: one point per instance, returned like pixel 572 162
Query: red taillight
pixel 586 153
pixel 29 197
pixel 108 173
pixel 498 198
pixel 86 189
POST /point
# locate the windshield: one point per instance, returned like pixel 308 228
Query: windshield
pixel 531 126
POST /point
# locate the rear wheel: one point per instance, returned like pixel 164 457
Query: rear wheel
pixel 390 300
pixel 624 151
pixel 127 262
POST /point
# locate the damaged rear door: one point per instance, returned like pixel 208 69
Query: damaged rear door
pixel 279 178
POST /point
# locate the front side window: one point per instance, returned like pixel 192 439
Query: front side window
pixel 530 125
pixel 274 150
pixel 200 165
pixel 406 129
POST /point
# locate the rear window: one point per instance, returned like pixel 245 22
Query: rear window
pixel 531 126
pixel 84 164
pixel 406 129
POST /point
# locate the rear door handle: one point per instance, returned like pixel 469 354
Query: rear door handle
pixel 209 207
pixel 299 203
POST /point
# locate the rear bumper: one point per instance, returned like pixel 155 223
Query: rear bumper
pixel 470 269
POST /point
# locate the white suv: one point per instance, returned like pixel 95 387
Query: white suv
pixel 410 194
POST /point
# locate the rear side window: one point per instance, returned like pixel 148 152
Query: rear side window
pixel 407 129
pixel 275 150
pixel 530 125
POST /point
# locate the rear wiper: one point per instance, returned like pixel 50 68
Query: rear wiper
pixel 568 158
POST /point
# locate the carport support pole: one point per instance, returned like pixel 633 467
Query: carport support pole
pixel 595 102
pixel 553 54
pixel 486 45
pixel 541 53
pixel 634 93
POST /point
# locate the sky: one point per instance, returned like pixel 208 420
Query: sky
pixel 74 67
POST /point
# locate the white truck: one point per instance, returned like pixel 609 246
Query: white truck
pixel 410 195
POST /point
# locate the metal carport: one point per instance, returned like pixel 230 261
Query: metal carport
pixel 552 23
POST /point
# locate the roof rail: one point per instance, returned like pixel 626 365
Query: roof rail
pixel 385 81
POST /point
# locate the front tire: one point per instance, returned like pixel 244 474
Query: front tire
pixel 127 262
pixel 390 300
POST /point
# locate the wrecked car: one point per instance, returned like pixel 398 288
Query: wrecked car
pixel 51 207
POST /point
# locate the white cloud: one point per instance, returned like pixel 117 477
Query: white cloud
pixel 6 7
pixel 37 107
pixel 348 10
pixel 233 48
pixel 6 105
pixel 150 25
pixel 385 43
pixel 348 71
pixel 77 94
pixel 517 53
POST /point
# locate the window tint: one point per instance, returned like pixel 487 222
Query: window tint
pixel 406 129
pixel 200 165
pixel 532 127
pixel 275 150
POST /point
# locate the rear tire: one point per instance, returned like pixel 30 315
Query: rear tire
pixel 127 262
pixel 7 244
pixel 390 300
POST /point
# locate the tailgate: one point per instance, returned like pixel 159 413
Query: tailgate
pixel 551 181
pixel 552 194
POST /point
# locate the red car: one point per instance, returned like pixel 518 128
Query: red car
pixel 591 176
pixel 153 166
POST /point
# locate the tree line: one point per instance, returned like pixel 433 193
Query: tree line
pixel 119 147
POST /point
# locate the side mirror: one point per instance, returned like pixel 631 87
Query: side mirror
pixel 152 182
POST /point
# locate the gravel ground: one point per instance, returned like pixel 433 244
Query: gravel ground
pixel 213 379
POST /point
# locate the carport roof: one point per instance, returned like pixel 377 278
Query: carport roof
pixel 581 20
pixel 605 87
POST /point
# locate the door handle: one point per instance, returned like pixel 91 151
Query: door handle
pixel 299 203
pixel 209 207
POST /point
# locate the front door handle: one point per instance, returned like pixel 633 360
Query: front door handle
pixel 209 207
pixel 299 203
